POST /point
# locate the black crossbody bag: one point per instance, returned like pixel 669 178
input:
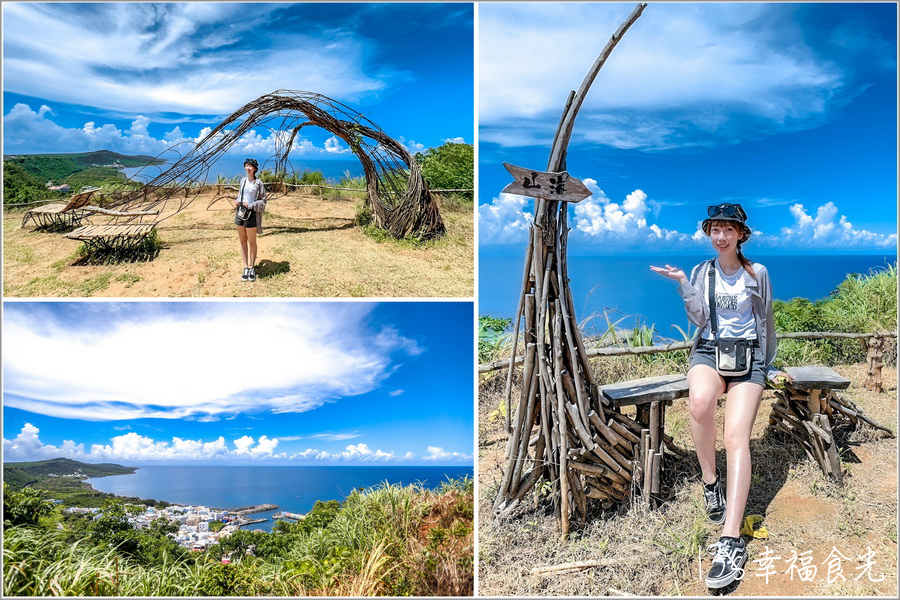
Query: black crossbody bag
pixel 243 212
pixel 733 355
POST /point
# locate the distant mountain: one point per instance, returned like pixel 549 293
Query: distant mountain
pixel 20 474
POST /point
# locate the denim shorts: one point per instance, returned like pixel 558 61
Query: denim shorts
pixel 705 354
pixel 250 222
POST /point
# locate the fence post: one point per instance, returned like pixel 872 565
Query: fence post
pixel 874 353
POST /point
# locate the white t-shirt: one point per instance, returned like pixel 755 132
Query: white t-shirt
pixel 734 306
pixel 252 191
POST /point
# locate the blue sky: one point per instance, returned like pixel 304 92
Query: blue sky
pixel 139 78
pixel 232 383
pixel 787 109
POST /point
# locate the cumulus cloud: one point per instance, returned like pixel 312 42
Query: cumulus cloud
pixel 333 146
pixel 829 229
pixel 627 224
pixel 313 356
pixel 133 447
pixel 599 218
pixel 505 219
pixel 436 453
pixel 719 72
pixel 26 130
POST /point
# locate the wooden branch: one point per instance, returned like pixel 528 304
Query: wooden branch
pixel 576 566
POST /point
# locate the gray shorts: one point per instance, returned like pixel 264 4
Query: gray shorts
pixel 251 222
pixel 705 354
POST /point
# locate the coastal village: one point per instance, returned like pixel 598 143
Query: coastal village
pixel 196 529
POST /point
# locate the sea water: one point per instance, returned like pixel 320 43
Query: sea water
pixel 291 488
pixel 625 290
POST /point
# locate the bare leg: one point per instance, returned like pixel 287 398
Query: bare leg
pixel 250 232
pixel 740 413
pixel 242 235
pixel 705 386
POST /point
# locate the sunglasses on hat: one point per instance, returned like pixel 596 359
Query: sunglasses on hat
pixel 727 210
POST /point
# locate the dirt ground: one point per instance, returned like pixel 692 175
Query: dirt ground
pixel 657 552
pixel 311 248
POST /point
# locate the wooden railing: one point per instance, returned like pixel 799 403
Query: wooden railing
pixel 874 343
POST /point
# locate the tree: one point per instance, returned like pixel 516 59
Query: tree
pixel 450 166
pixel 20 186
pixel 23 508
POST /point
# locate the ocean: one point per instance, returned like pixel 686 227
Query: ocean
pixel 228 166
pixel 624 286
pixel 291 488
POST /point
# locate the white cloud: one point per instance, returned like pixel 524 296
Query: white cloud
pixel 185 58
pixel 505 219
pixel 684 74
pixel 627 224
pixel 599 218
pixel 28 131
pixel 437 453
pixel 395 393
pixel 411 146
pixel 333 146
pixel 829 229
pixel 455 140
pixel 313 355
pixel 133 447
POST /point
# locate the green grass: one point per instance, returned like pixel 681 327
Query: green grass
pixel 386 540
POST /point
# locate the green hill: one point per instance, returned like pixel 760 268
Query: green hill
pixel 21 474
pixel 25 175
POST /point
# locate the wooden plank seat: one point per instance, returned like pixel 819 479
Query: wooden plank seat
pixel 807 409
pixel 69 213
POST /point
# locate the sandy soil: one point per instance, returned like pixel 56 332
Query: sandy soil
pixel 311 248
pixel 656 552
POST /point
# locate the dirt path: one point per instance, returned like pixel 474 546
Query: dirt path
pixel 656 552
pixel 311 248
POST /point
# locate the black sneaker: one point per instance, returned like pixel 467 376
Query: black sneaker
pixel 728 563
pixel 251 275
pixel 246 275
pixel 715 500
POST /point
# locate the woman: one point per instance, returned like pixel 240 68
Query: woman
pixel 743 311
pixel 249 204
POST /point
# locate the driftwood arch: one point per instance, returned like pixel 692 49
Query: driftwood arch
pixel 397 194
pixel 562 432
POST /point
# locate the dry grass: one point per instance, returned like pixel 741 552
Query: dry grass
pixel 311 248
pixel 656 552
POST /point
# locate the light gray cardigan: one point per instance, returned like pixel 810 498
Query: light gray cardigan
pixel 259 205
pixel 696 303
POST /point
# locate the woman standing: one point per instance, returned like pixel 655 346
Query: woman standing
pixel 730 300
pixel 249 204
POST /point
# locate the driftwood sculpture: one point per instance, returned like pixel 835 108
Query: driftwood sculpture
pixel 562 432
pixel 397 194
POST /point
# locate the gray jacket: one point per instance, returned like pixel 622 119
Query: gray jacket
pixel 696 303
pixel 259 205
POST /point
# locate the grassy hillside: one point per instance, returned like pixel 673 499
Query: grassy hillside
pixel 387 540
pixel 25 175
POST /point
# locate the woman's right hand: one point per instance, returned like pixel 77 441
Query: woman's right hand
pixel 670 272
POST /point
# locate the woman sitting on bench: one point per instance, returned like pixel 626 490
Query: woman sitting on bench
pixel 730 300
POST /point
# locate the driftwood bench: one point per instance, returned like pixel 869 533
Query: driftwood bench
pixel 807 409
pixel 61 214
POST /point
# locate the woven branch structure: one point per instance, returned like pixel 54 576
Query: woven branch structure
pixel 561 432
pixel 397 194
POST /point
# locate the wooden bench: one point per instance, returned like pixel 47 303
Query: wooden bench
pixel 807 409
pixel 60 214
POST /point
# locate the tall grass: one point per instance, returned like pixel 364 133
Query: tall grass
pixel 391 539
